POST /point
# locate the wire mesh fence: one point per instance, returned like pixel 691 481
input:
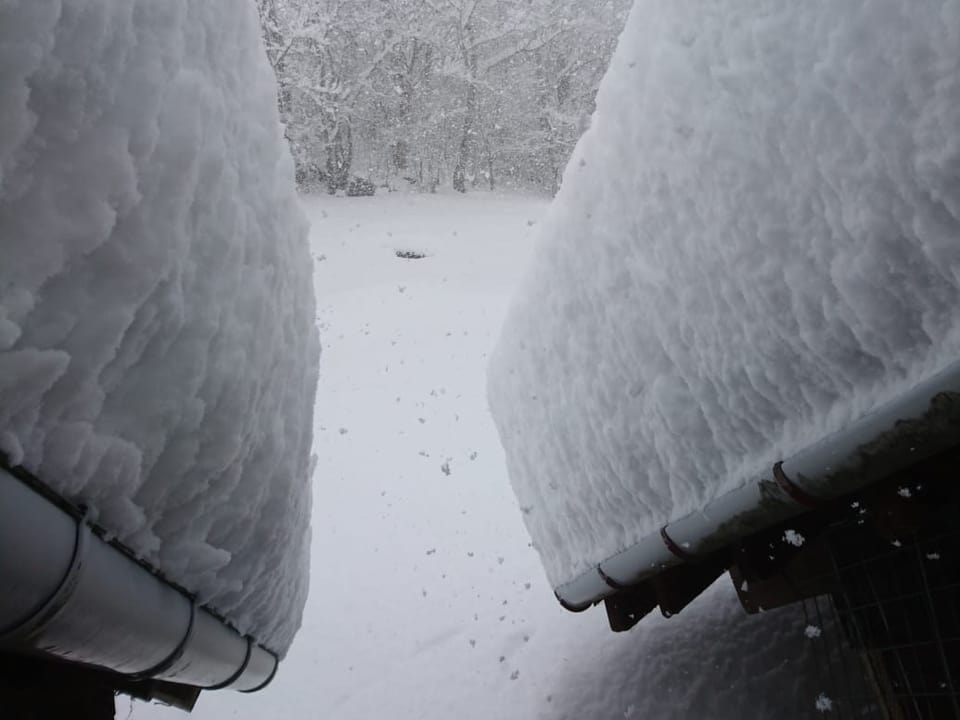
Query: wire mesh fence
pixel 887 631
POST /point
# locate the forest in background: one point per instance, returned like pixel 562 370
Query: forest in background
pixel 462 93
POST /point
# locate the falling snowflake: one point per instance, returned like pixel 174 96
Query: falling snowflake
pixel 904 492
pixel 812 631
pixel 792 537
pixel 445 468
pixel 823 703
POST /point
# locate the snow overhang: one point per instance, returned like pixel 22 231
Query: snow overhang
pixel 72 595
pixel 919 424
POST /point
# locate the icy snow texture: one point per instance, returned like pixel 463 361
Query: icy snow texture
pixel 157 344
pixel 757 241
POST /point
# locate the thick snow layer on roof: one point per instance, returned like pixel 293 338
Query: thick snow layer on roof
pixel 757 241
pixel 158 351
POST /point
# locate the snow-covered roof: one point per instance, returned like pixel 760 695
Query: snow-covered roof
pixel 158 354
pixel 755 246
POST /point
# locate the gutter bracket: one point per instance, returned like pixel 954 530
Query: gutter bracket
pixel 177 653
pixel 674 548
pixel 276 666
pixel 796 493
pixel 611 583
pixel 243 667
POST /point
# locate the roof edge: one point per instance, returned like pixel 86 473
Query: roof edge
pixel 914 426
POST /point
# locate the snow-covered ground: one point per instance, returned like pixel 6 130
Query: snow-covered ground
pixel 427 601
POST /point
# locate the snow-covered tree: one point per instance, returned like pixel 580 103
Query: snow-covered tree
pixel 431 91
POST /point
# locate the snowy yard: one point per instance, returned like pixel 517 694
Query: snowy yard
pixel 426 599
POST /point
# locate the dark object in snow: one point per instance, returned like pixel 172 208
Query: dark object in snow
pixel 409 254
pixel 361 187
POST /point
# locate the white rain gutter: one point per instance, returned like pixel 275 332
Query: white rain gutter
pixel 913 427
pixel 71 595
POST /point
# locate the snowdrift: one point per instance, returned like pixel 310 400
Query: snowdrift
pixel 756 243
pixel 158 351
